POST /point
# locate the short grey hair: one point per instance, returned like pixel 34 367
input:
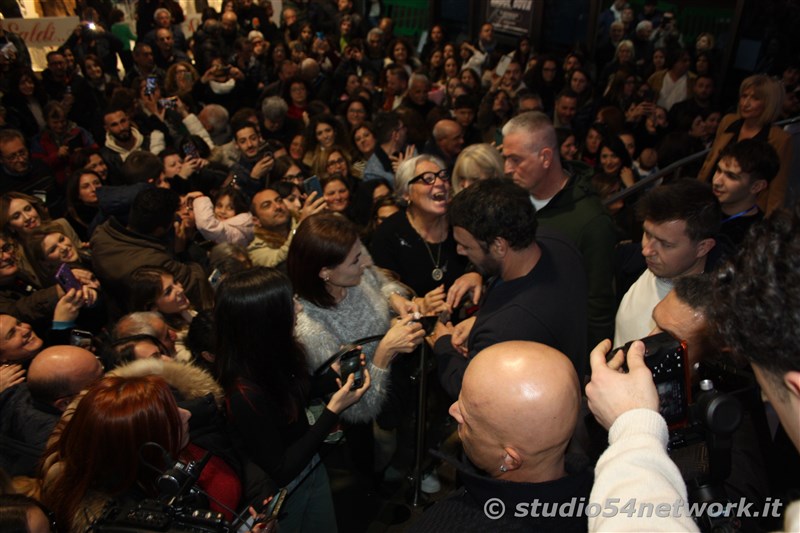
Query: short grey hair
pixel 375 31
pixel 217 116
pixel 139 323
pixel 159 10
pixel 274 108
pixel 538 129
pixel 408 169
pixel 419 78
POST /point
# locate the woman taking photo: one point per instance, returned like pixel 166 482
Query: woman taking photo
pixel 417 244
pixel 20 214
pixel 265 374
pixel 760 103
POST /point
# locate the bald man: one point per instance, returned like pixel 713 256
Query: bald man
pixel 516 413
pixel 446 142
pixel 30 411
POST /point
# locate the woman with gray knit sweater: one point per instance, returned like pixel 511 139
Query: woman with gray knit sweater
pixel 344 299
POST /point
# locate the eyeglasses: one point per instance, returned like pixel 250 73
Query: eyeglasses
pixel 334 162
pixel 22 154
pixel 7 248
pixel 290 177
pixel 429 178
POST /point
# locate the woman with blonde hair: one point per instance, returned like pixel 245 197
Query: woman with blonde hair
pixel 760 103
pixel 476 162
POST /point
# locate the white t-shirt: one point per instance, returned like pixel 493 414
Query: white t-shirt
pixel 635 314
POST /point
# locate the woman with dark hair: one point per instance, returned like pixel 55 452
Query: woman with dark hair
pixel 90 159
pixel 20 214
pixel 99 450
pixel 25 102
pixel 48 247
pixel 296 93
pixel 356 112
pixel 344 299
pixel 545 80
pixel 336 192
pixel 153 288
pixel 265 374
pixel 383 208
pixel 323 132
pixel 580 81
pixel 616 161
pixel 495 110
pixel 590 149
pixel 367 193
pixel 364 142
pixel 102 83
pixel 82 202
pixel 567 145
pixel 401 54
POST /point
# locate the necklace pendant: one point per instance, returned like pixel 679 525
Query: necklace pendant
pixel 437 274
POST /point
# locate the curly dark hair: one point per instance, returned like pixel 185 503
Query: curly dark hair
pixel 756 310
pixel 494 208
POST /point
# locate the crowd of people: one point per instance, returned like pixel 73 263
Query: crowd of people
pixel 186 243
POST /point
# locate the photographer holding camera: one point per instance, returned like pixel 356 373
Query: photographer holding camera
pixel 751 299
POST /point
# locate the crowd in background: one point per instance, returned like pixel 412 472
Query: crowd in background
pixel 236 205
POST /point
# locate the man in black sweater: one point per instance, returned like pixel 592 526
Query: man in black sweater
pixel 537 285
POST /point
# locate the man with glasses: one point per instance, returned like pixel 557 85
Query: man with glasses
pixel 537 286
pixel 566 202
pixel 19 172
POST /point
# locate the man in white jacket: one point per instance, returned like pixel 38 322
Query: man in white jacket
pixel 756 313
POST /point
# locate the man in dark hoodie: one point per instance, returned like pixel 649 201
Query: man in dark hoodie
pixel 565 202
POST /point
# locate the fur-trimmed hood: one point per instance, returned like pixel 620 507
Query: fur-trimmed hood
pixel 190 381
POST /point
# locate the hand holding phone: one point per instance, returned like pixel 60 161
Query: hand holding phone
pixel 65 277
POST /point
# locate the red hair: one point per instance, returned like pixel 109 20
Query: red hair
pixel 99 448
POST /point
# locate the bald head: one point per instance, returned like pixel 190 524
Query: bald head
pixel 60 372
pixel 517 409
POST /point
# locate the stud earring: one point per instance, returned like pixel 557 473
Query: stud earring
pixel 503 468
pixel 326 278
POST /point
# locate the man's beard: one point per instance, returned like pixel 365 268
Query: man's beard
pixel 124 135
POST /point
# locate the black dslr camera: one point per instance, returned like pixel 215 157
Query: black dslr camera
pixel 666 358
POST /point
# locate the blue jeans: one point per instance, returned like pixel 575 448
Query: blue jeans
pixel 309 507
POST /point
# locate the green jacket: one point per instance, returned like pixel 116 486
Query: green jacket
pixel 577 212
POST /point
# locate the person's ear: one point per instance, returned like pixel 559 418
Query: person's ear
pixel 792 381
pixel 512 459
pixel 325 273
pixel 547 157
pixel 705 246
pixel 499 247
pixel 757 186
